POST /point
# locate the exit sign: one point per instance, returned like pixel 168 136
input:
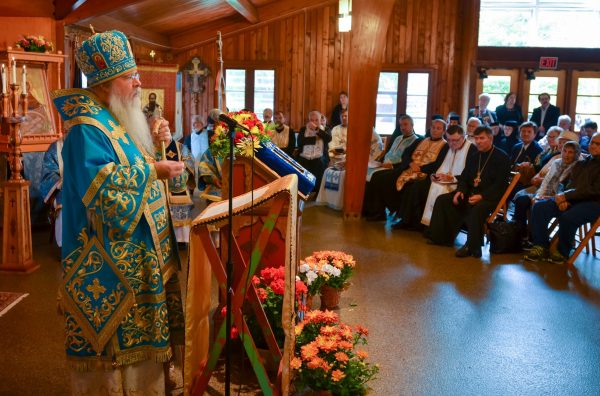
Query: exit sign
pixel 549 62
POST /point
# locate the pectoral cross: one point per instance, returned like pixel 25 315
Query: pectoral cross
pixel 477 180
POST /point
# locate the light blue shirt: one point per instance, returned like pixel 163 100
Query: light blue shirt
pixel 199 143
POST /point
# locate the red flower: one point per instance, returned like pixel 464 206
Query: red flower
pixel 278 286
pixel 300 288
pixel 262 294
pixel 234 333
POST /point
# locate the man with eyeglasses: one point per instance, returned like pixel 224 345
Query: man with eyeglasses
pixel 120 295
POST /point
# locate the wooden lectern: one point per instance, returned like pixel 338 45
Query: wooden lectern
pixel 270 202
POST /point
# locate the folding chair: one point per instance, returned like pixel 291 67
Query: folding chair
pixel 502 207
pixel 587 236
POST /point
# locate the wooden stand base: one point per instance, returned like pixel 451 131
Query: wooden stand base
pixel 17 254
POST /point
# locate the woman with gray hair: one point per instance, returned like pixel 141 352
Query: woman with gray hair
pixel 556 176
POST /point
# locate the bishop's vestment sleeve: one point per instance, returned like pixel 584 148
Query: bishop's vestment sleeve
pixel 116 192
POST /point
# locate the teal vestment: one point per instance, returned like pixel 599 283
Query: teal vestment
pixel 120 294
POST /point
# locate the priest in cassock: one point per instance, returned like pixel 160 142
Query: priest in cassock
pixel 480 187
pixel 120 295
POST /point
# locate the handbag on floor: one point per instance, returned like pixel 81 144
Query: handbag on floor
pixel 504 237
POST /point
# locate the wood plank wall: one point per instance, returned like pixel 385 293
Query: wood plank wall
pixel 311 57
pixel 426 34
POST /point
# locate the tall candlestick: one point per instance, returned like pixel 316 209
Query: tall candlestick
pixel 24 80
pixel 14 71
pixel 3 79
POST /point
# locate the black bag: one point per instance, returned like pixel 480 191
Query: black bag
pixel 505 237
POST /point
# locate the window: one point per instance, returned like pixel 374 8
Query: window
pixel 235 89
pixel 413 100
pixel 497 87
pixel 587 107
pixel 252 89
pixel 387 103
pixel 540 85
pixel 539 23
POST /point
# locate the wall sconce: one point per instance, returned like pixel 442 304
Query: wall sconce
pixel 482 73
pixel 345 15
pixel 530 74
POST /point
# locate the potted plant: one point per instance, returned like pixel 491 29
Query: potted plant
pixel 332 269
pixel 328 356
pixel 270 286
pixel 32 43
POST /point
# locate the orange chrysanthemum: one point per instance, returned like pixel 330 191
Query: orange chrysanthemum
pixel 337 375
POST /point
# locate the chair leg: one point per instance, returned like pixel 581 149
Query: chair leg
pixel 584 243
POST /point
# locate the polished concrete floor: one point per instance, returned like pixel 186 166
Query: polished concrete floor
pixel 438 325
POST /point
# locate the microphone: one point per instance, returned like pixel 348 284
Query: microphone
pixel 231 123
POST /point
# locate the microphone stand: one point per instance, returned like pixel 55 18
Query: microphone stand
pixel 229 267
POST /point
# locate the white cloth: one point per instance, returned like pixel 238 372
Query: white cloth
pixel 182 233
pixel 454 163
pixel 331 191
pixel 312 151
pixel 143 378
pixel 339 137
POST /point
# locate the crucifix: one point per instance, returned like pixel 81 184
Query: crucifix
pixel 196 72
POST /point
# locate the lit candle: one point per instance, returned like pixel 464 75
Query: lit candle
pixel 3 79
pixel 24 79
pixel 14 71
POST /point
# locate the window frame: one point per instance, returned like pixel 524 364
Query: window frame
pixel 250 82
pixel 403 86
pixel 576 75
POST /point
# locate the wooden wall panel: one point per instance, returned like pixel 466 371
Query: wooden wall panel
pixel 309 54
pixel 312 58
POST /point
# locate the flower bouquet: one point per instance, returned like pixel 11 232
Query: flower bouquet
pixel 270 287
pixel 328 272
pixel 327 357
pixel 246 143
pixel 34 44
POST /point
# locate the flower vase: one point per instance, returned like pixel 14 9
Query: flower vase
pixel 309 302
pixel 330 297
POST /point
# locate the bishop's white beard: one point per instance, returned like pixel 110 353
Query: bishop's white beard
pixel 131 117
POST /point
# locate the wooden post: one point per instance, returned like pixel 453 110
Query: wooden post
pixel 16 233
pixel 370 20
pixel 469 37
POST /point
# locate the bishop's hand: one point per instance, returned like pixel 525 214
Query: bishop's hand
pixel 166 169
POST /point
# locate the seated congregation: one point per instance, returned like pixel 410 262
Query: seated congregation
pixel 452 180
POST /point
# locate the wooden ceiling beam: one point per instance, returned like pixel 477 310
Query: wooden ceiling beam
pixel 62 8
pixel 103 23
pixel 86 9
pixel 245 8
pixel 233 25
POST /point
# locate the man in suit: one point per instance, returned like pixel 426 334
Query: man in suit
pixel 524 153
pixel 545 116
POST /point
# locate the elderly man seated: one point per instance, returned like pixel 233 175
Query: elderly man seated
pixel 577 205
pixel 480 187
pixel 379 173
pixel 417 203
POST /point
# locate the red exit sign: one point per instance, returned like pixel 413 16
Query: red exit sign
pixel 549 62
